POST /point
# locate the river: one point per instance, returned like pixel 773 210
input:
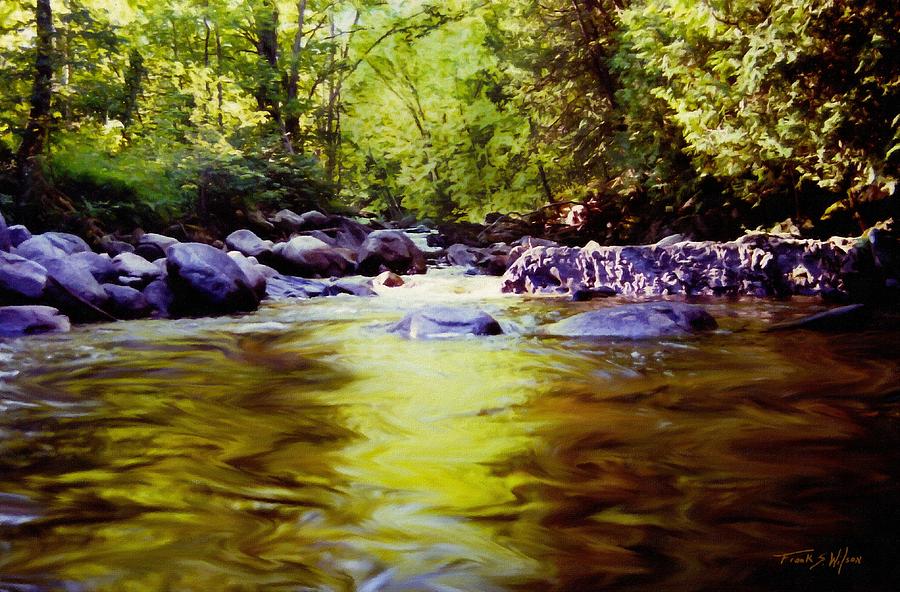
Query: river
pixel 304 447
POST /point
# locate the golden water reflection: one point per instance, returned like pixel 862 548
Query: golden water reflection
pixel 272 453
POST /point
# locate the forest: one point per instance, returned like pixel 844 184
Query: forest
pixel 702 116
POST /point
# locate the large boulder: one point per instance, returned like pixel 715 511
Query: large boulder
pixel 446 321
pixel 643 320
pixel 152 246
pixel 98 265
pixel 40 249
pixel 21 280
pixel 126 303
pixel 5 244
pixel 160 297
pixel 206 280
pixel 306 256
pixel 68 243
pixel 30 320
pixel 256 273
pixel 249 244
pixel 389 250
pixel 347 233
pixel 73 289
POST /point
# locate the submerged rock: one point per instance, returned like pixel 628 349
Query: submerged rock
pixel 30 320
pixel 842 318
pixel 206 280
pixel 446 321
pixel 636 321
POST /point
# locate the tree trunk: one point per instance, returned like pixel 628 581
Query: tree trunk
pixel 38 127
pixel 292 117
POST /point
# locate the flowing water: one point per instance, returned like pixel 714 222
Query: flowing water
pixel 306 448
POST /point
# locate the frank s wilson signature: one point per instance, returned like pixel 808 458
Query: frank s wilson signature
pixel 835 560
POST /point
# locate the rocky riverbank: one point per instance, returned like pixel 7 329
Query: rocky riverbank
pixel 52 279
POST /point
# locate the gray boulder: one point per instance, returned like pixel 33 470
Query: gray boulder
pixel 98 265
pixel 160 297
pixel 126 303
pixel 113 246
pixel 287 221
pixel 446 321
pixel 256 274
pixel 30 320
pixel 347 233
pixel 18 234
pixel 21 280
pixel 281 287
pixel 248 244
pixel 68 243
pixel 306 256
pixel 389 250
pixel 206 280
pixel 73 289
pixel 40 249
pixel 643 320
pixel 135 269
pixel 152 246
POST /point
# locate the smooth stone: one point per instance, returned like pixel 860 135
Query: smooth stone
pixel 206 280
pixel 152 246
pixel 248 244
pixel 74 290
pixel 99 266
pixel 20 278
pixel 446 321
pixel 280 287
pixel 852 317
pixel 134 266
pixel 18 234
pixel 252 270
pixel 30 320
pixel 39 248
pixel 643 320
pixel 68 243
pixel 160 297
pixel 126 303
pixel 287 220
pixel 390 250
pixel 310 257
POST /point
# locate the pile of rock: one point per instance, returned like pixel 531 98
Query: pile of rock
pixel 45 274
pixel 756 264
